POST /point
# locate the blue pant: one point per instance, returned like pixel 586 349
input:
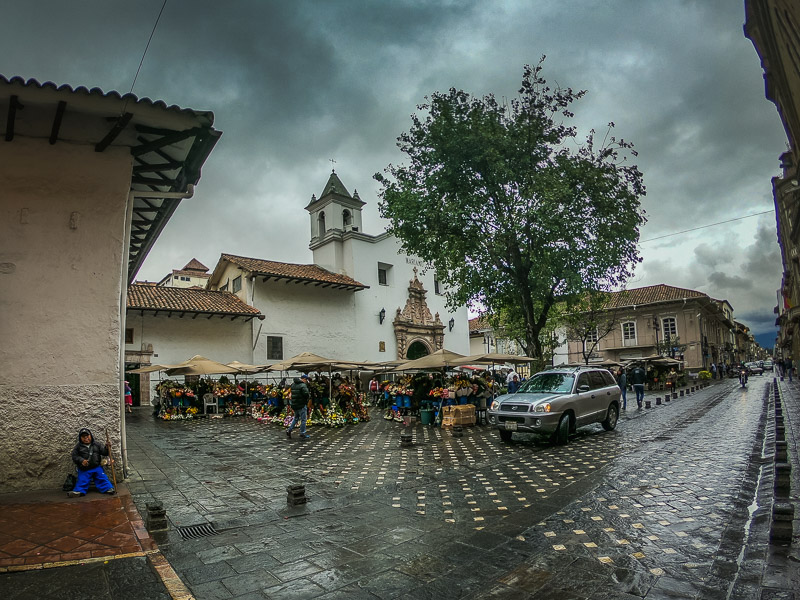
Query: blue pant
pixel 639 389
pixel 100 480
pixel 624 391
pixel 300 415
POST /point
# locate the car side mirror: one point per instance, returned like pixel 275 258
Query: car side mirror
pixel 583 388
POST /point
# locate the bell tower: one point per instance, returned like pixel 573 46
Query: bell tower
pixel 334 217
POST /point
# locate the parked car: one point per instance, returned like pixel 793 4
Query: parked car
pixel 768 365
pixel 557 401
pixel 754 369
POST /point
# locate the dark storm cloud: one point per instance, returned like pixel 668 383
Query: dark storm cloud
pixel 293 84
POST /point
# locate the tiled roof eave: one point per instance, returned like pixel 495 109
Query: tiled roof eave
pixel 307 280
pixel 187 311
pixel 662 301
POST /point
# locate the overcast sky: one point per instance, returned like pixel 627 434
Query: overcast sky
pixel 293 84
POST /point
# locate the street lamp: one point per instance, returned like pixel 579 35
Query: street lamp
pixel 381 316
pixel 452 323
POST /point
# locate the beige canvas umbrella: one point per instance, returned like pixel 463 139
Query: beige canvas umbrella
pixel 491 358
pixel 244 368
pixel 152 368
pixel 302 360
pixel 437 360
pixel 200 365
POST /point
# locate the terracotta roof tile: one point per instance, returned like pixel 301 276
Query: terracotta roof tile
pixel 652 294
pixel 282 270
pixel 195 265
pixel 478 324
pixel 190 300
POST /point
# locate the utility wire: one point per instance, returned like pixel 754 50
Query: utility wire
pixel 660 237
pixel 146 48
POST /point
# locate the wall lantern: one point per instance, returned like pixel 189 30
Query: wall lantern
pixel 382 316
pixel 452 323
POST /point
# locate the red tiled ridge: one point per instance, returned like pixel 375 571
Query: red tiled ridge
pixel 148 297
pixel 191 273
pixel 271 268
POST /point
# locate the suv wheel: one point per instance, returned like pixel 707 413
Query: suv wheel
pixel 562 433
pixel 611 418
pixel 505 435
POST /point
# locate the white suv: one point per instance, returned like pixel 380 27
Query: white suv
pixel 557 401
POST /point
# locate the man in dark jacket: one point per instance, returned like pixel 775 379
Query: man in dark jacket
pixel 87 456
pixel 638 379
pixel 300 396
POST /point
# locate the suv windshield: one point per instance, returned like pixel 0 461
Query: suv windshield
pixel 548 382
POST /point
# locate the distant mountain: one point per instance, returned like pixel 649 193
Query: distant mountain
pixel 766 340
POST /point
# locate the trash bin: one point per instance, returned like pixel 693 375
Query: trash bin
pixel 426 416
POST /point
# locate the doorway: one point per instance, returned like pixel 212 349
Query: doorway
pixel 417 350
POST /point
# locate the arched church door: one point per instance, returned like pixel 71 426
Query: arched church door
pixel 417 350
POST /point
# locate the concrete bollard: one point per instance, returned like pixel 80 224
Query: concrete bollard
pixel 680 393
pixel 783 476
pixel 156 516
pixel 658 401
pixel 647 404
pixel 780 531
pixel 296 494
pixel 458 431
pixel 781 451
pixel 674 395
pixel 667 398
pixel 406 439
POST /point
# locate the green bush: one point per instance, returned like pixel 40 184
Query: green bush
pixel 704 375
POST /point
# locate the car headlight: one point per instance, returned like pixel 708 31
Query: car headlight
pixel 495 405
pixel 545 407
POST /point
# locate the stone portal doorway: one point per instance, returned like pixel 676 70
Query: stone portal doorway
pixel 417 350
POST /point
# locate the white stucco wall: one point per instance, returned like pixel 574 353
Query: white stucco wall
pixel 308 318
pixel 176 339
pixel 386 249
pixel 62 237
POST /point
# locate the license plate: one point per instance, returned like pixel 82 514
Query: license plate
pixel 511 426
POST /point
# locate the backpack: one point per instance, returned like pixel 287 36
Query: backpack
pixel 69 483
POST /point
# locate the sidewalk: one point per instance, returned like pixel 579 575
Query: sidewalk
pixel 99 544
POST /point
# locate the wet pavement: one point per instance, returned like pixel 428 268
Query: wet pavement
pixel 672 504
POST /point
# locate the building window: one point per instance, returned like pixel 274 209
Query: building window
pixel 184 278
pixel 321 223
pixel 274 347
pixel 347 219
pixel 436 288
pixel 669 326
pixel 129 335
pixel 237 284
pixel 384 273
pixel 224 288
pixel 591 335
pixel 629 333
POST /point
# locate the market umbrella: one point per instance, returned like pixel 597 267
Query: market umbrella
pixel 200 365
pixel 152 368
pixel 304 359
pixel 437 360
pixel 490 358
pixel 244 368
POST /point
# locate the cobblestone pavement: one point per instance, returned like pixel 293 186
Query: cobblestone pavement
pixel 659 508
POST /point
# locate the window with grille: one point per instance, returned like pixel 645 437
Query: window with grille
pixel 629 333
pixel 669 325
pixel 237 284
pixel 591 335
pixel 274 347
pixel 384 274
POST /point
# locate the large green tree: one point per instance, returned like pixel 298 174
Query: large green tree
pixel 510 212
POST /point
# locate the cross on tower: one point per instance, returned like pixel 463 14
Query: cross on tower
pixel 333 162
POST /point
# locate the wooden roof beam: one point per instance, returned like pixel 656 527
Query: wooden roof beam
pixel 62 105
pixel 167 140
pixel 121 123
pixel 13 105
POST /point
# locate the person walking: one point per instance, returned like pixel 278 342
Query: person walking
pixel 713 370
pixel 300 396
pixel 128 398
pixel 622 380
pixel 374 390
pixel 638 379
pixel 779 364
pixel 788 367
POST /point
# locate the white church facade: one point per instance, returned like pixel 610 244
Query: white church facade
pixel 361 299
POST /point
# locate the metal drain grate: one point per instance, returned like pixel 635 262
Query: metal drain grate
pixel 194 532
